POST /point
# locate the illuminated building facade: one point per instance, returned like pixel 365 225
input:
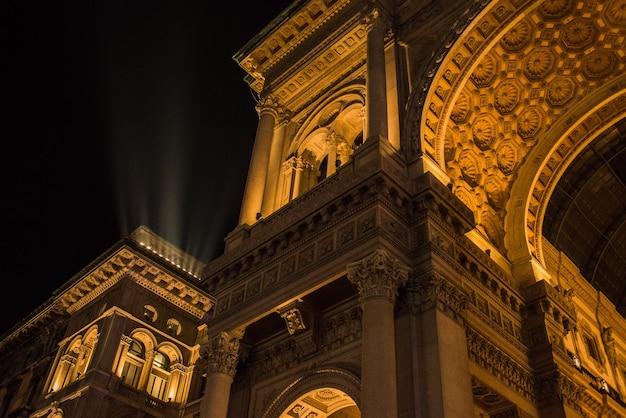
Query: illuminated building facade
pixel 433 226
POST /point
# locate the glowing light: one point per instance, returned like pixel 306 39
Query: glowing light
pixel 167 251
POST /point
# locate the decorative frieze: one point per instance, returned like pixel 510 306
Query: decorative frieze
pixel 492 359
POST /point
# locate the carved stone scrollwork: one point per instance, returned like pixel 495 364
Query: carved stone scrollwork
pixel 436 292
pixel 378 276
pixel 293 318
pixel 222 352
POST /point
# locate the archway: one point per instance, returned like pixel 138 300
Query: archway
pixel 324 393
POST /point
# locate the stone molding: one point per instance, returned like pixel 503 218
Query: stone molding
pixel 499 364
pixel 127 263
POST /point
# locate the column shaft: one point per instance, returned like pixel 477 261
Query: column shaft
pixel 216 395
pixel 378 386
pixel 259 164
pixel 378 278
pixel 376 84
pixel 222 352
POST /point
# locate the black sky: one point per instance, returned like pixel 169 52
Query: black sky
pixel 119 113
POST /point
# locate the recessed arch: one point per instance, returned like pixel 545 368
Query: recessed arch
pixel 323 391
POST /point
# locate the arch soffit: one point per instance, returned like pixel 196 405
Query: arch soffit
pixel 146 337
pixel 539 177
pixel 332 386
pixel 91 336
pixel 509 83
pixel 341 113
pixel 171 351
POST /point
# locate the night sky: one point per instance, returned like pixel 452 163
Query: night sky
pixel 119 113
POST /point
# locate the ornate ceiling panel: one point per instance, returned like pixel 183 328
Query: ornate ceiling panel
pixel 521 106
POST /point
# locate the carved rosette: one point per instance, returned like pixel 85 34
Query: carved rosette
pixel 378 276
pixel 221 353
pixel 436 292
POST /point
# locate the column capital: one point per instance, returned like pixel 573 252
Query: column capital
pixel 435 292
pixel 222 352
pixel 372 19
pixel 378 276
pixel 270 104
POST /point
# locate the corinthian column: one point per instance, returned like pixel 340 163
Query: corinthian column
pixel 376 83
pixel 222 353
pixel 378 278
pixel 259 162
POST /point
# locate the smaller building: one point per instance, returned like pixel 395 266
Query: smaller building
pixel 120 338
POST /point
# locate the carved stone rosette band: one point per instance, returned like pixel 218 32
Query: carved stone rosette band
pixel 378 276
pixel 222 352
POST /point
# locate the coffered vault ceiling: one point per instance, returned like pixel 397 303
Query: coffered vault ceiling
pixel 524 115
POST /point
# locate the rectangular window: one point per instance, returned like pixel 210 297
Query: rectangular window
pixel 130 374
pixel 156 386
pixel 592 347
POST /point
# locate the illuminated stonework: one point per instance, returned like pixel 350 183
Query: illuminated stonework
pixel 558 54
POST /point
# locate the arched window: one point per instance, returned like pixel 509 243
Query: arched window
pixel 151 367
pixel 74 361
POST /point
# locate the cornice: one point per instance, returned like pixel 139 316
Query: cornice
pixel 259 58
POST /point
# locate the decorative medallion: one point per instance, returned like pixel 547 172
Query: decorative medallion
pixel 516 38
pixel 492 226
pixel 484 133
pixel 578 34
pixel 529 123
pixel 462 107
pixel 327 394
pixel 484 72
pixel 506 156
pixel 506 96
pixel 559 91
pixel 554 9
pixel 616 12
pixel 330 113
pixel 538 63
pixel 469 168
pixel 495 192
pixel 599 63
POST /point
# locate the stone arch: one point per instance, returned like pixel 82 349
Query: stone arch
pixel 326 139
pixel 536 181
pixel 323 391
pixel 171 351
pixel 146 337
pixel 518 81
